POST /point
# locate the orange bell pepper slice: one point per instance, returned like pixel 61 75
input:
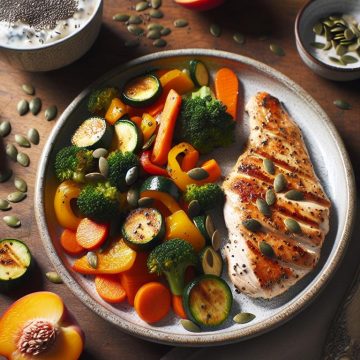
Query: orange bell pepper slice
pixel 116 110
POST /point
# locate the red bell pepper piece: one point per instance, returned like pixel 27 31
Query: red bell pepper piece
pixel 149 167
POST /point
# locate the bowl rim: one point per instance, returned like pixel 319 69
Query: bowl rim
pixel 307 53
pixel 154 334
pixel 59 41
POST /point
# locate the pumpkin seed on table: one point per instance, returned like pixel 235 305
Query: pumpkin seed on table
pixel 16 196
pixel 135 20
pixel 155 4
pixel 132 175
pixel 35 105
pixel 51 112
pixel 20 184
pixel 141 6
pixel 243 318
pixel 263 207
pixel 22 141
pixel 92 259
pixel 156 13
pixel 179 23
pixel 4 205
pixel 280 183
pixel 12 221
pixel 269 166
pixel 154 26
pixel 277 50
pixel 266 249
pixel 292 225
pixel 294 195
pixel 22 107
pixel 121 17
pixel 135 30
pixel 11 151
pixel 194 208
pixel 54 277
pixel 145 202
pixel 159 43
pixel 198 174
pixel 5 128
pixel 216 240
pixel 215 30
pixel 34 136
pixel 342 104
pixel 239 38
pixel 189 325
pixel 5 175
pixel 153 34
pixel 165 31
pixel 252 225
pixel 23 159
pixel 100 152
pixel 28 89
pixel 132 43
pixel 94 177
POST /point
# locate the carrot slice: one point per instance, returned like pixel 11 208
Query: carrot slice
pixel 69 243
pixel 227 90
pixel 152 302
pixel 90 235
pixel 109 288
pixel 177 305
pixel 164 137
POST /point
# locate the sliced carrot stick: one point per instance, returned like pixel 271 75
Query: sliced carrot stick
pixel 227 90
pixel 177 305
pixel 90 235
pixel 190 160
pixel 69 243
pixel 109 288
pixel 164 137
pixel 152 302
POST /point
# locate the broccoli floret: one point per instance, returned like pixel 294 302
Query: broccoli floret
pixel 203 92
pixel 72 163
pixel 99 100
pixel 98 201
pixel 209 196
pixel 205 124
pixel 171 258
pixel 119 164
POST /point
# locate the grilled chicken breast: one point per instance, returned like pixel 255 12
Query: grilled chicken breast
pixel 265 262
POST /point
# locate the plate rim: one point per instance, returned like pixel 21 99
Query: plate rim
pixel 153 334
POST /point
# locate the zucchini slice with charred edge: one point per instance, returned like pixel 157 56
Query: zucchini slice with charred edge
pixel 143 229
pixel 199 73
pixel 199 222
pixel 162 184
pixel 15 262
pixel 211 261
pixel 142 90
pixel 93 133
pixel 127 137
pixel 207 301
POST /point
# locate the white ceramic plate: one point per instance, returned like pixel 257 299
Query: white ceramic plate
pixel 327 153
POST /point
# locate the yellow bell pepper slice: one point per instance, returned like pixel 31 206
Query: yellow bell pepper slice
pixel 116 110
pixel 148 126
pixel 165 198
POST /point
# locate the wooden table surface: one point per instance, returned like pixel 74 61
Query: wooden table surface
pixel 254 18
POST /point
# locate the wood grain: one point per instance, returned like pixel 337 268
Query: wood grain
pixel 254 18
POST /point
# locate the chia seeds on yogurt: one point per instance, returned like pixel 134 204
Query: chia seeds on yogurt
pixel 32 23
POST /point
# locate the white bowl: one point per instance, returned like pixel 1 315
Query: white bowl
pixel 305 20
pixel 58 53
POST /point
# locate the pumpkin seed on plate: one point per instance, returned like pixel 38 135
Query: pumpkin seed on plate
pixel 280 183
pixel 145 202
pixel 342 104
pixel 349 35
pixel 50 113
pixel 35 105
pixel 28 89
pixel 317 45
pixel 156 13
pixel 266 249
pixel 239 38
pixel 341 50
pixel 149 143
pixel 252 225
pixel 153 26
pixel 33 136
pixel 132 175
pixel 103 166
pixel 5 128
pixel 198 174
pixel 328 45
pixel 292 225
pixel 92 259
pixel 155 4
pixel 16 196
pixel 22 141
pixel 98 153
pixel 243 318
pixel 354 47
pixel 132 43
pixel 269 166
pixel 141 6
pixel 159 43
pixel 165 31
pixel 12 221
pixel 20 184
pixel 54 277
pixel 209 226
pixel 318 29
pixel 132 197
pixel 94 177
pixel 5 175
pixel 215 30
pixel 349 59
pixel 189 325
pixel 135 29
pixel 194 208
pixel 179 23
pixel 135 20
pixel 121 17
pixel 294 195
pixel 334 60
pixel 270 197
pixel 4 205
pixel 153 34
pixel 216 240
pixel 263 207
pixel 277 50
pixel 22 107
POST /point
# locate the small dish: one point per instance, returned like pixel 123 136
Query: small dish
pixel 318 59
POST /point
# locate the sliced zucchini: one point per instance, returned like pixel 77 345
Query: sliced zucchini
pixel 143 229
pixel 199 73
pixel 207 301
pixel 15 262
pixel 211 261
pixel 142 91
pixel 200 222
pixel 127 137
pixel 93 133
pixel 162 184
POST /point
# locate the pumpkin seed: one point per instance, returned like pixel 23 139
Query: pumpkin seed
pixel 132 197
pixel 328 23
pixel 33 136
pixel 54 277
pixel 28 89
pixel 135 20
pixel 243 318
pixel 132 175
pixel 239 38
pixel 340 50
pixel 209 226
pixel 209 257
pixel 349 35
pixel 334 60
pixel 349 59
pixel 165 31
pixel 159 43
pixel 252 225
pixel 189 325
pixel 5 128
pixel 155 4
pixel 216 240
pixel 12 221
pixel 198 174
pixel 215 30
pixel 50 113
pixel 317 45
pixel 194 208
pixel 153 26
pixel 318 29
pixel 22 141
pixel 342 104
pixel 16 196
pixel 98 153
pixel 266 249
pixel 149 143
pixel 292 225
pixel 270 197
pixel 353 47
pixel 141 6
pixel 20 184
pixel 121 17
pixel 94 177
pixel 277 50
pixel 263 207
pixel 280 183
pixel 156 13
pixel 92 259
pixel 22 107
pixel 145 202
pixel 5 175
pixel 153 34
pixel 338 29
pixel 4 205
pixel 269 166
pixel 294 195
pixel 328 45
pixel 179 23
pixel 135 29
pixel 132 43
pixel 35 105
pixel 103 167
